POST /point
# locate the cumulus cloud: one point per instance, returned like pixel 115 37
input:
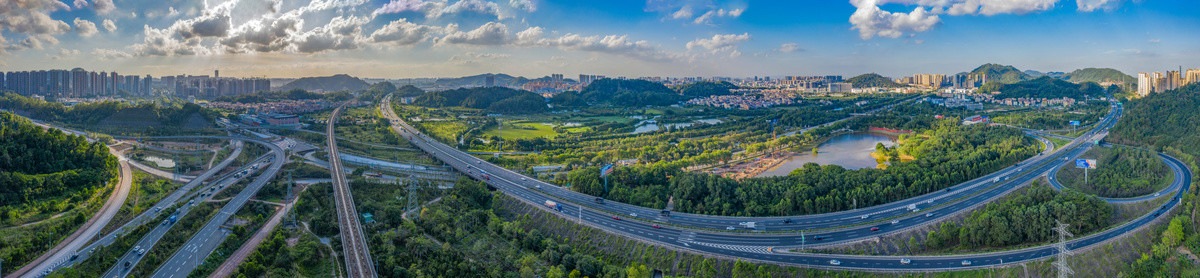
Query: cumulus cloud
pixel 110 25
pixel 719 42
pixel 789 48
pixel 871 21
pixel 684 12
pixel 341 33
pixel 477 6
pixel 262 35
pixel 491 33
pixel 32 17
pixel 524 5
pixel 103 6
pixel 64 54
pixel 402 32
pixel 79 4
pixel 85 28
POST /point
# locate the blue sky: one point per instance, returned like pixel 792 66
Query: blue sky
pixel 431 38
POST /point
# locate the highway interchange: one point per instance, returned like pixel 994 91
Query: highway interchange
pixel 703 234
pixel 761 239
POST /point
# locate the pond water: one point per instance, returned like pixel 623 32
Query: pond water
pixel 161 162
pixel 851 151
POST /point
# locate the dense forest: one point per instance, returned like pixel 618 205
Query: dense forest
pixel 946 155
pixel 1001 73
pixel 38 165
pixel 872 80
pixel 705 88
pixel 492 99
pixel 1023 218
pixel 1098 75
pixel 1123 172
pixel 293 94
pixel 148 115
pixel 617 92
pixel 1043 87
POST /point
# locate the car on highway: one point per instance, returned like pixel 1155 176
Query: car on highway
pixel 616 217
pixel 865 216
pixel 599 200
pixel 633 214
pixel 835 262
pixel 817 237
pixel 729 228
pixel 905 261
pixel 897 221
pixel 929 214
pixel 966 262
pixel 874 229
pixel 523 179
pixel 787 221
pixel 656 226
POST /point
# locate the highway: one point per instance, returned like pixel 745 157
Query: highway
pixel 198 248
pixel 988 185
pixel 354 244
pixel 151 238
pixel 765 247
pixel 1053 177
pixel 90 229
pixel 169 200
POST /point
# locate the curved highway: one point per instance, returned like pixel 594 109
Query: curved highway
pixel 766 247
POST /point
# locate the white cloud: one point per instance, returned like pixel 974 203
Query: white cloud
pixel 871 21
pixel 103 6
pixel 79 4
pixel 524 5
pixel 708 17
pixel 85 28
pixel 110 25
pixel 531 36
pixel 399 6
pixel 402 32
pixel 612 44
pixel 110 54
pixel 491 33
pixel 683 13
pixel 342 33
pixel 32 17
pixel 1092 5
pixel 789 48
pixel 990 7
pixel 477 6
pixel 262 35
pixel 64 54
pixel 720 43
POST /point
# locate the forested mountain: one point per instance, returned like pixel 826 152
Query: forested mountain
pixel 37 165
pixel 340 82
pixel 1001 73
pixel 1162 120
pixel 408 91
pixel 1098 75
pixel 492 99
pixel 620 93
pixel 186 116
pixel 293 94
pixel 872 80
pixel 480 80
pixel 705 88
pixel 1043 87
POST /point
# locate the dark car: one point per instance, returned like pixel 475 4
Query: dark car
pixel 787 221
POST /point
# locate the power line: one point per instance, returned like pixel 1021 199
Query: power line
pixel 1061 258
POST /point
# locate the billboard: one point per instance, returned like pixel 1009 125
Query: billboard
pixel 1074 122
pixel 1085 163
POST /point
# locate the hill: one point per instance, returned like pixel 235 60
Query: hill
pixel 1001 73
pixel 1043 87
pixel 480 80
pixel 149 117
pixel 706 88
pixel 1098 75
pixel 872 80
pixel 293 94
pixel 340 82
pixel 492 99
pixel 632 93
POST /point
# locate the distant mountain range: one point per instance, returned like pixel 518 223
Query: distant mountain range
pixel 340 82
pixel 1001 73
pixel 1009 74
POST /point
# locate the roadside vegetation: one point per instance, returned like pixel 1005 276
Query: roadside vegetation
pixel 1022 219
pixel 1122 173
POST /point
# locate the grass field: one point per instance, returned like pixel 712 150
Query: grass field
pixel 524 131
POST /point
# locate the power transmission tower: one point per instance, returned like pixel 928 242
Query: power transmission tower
pixel 1061 260
pixel 412 199
pixel 178 168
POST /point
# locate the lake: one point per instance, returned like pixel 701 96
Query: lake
pixel 851 151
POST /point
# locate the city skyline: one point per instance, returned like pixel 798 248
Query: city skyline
pixel 418 39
